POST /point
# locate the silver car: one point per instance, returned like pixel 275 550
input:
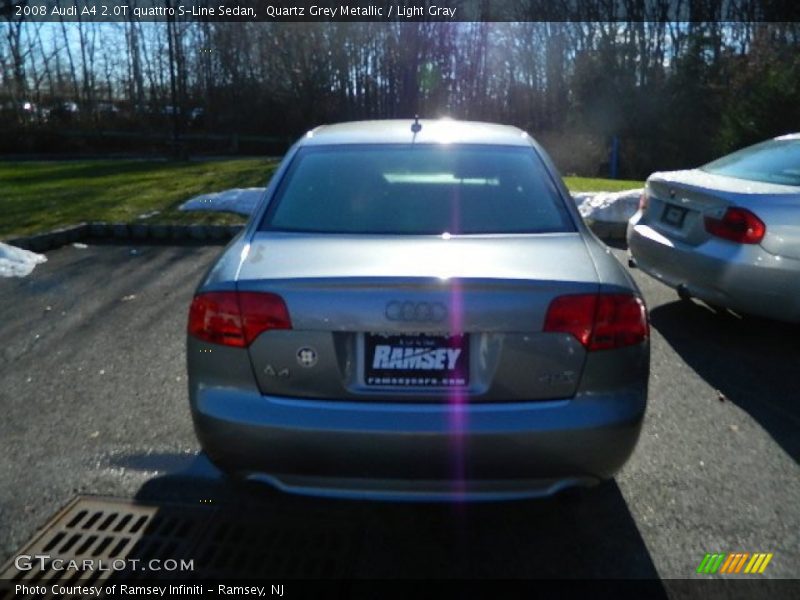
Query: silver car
pixel 417 311
pixel 727 233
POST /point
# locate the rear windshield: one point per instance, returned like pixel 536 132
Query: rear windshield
pixel 775 161
pixel 417 190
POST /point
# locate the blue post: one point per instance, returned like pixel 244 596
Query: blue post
pixel 614 162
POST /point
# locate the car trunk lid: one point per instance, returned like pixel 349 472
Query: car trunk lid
pixel 347 295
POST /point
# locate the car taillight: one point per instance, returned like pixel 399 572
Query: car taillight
pixel 572 314
pixel 737 225
pixel 236 318
pixel 599 321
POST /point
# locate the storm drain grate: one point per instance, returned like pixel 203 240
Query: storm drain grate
pixel 220 543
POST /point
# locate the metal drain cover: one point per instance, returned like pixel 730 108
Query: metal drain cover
pixel 122 538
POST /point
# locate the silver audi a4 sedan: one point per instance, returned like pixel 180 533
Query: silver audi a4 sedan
pixel 416 311
pixel 727 233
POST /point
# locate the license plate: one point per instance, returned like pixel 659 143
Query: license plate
pixel 674 215
pixel 416 360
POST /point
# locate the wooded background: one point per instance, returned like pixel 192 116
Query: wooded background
pixel 676 94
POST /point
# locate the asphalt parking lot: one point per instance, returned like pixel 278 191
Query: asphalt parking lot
pixel 94 402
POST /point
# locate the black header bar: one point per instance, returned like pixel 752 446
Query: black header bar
pixel 99 11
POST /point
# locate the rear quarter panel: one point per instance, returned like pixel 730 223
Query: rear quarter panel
pixel 222 275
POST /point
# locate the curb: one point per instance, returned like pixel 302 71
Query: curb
pixel 100 230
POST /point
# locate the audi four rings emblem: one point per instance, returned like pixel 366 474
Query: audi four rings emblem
pixel 432 312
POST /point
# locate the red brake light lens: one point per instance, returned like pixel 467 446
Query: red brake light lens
pixel 215 317
pixel 620 320
pixel 236 318
pixel 737 225
pixel 599 321
pixel 262 312
pixel 572 314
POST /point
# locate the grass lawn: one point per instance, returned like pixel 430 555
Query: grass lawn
pixel 39 196
pixel 591 184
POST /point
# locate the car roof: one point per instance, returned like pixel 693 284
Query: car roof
pixel 433 131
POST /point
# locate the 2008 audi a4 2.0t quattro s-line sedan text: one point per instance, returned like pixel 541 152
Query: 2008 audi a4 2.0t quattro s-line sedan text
pixel 416 311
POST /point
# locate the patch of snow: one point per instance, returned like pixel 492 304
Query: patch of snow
pixel 608 207
pixel 238 200
pixel 16 262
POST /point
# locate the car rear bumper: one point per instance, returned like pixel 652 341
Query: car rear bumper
pixel 743 277
pixel 419 452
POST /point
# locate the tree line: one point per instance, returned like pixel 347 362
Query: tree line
pixel 674 93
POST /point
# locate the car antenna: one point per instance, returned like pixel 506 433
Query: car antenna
pixel 416 126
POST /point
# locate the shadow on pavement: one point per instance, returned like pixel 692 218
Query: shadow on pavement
pixel 753 362
pixel 274 534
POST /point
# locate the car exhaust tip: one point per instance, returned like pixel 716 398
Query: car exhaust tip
pixel 631 262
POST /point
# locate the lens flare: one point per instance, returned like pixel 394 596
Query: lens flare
pixel 457 402
pixel 457 398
